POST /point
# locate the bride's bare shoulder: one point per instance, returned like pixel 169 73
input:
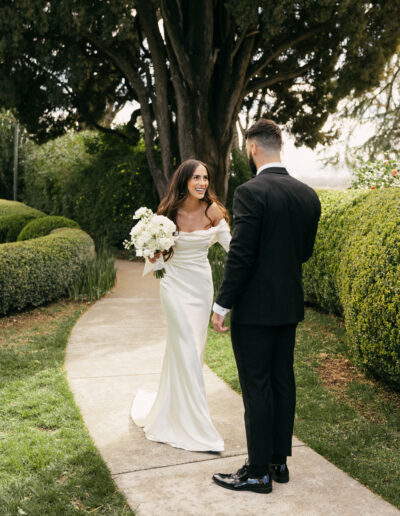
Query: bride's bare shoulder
pixel 215 213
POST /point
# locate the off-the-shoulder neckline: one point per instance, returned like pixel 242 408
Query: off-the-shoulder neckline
pixel 201 230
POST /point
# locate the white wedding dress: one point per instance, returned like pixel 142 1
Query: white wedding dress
pixel 178 413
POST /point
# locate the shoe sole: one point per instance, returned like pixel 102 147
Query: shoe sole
pixel 263 490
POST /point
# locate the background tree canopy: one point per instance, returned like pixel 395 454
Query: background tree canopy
pixel 191 66
pixel 380 109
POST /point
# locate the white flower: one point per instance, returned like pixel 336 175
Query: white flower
pixel 152 233
pixel 143 213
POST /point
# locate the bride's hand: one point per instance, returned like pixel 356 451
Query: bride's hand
pixel 156 257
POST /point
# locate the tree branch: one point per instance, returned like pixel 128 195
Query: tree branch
pixel 260 84
pixel 172 28
pixel 262 63
pixel 143 97
pixel 148 20
pixel 107 130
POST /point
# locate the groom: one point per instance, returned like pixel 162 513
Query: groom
pixel 275 223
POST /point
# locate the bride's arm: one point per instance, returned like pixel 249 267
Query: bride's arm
pixel 224 234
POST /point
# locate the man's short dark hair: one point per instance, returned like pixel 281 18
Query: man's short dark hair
pixel 266 133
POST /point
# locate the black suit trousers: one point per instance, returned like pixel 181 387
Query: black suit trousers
pixel 264 358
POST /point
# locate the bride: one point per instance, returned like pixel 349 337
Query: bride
pixel 178 413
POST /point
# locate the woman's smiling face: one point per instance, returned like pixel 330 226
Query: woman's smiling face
pixel 198 183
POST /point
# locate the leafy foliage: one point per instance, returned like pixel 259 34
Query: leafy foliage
pixel 239 172
pixel 17 208
pixel 36 271
pixel 355 271
pixel 376 174
pixel 96 277
pixel 7 127
pixel 377 108
pixel 44 225
pixel 78 62
pixel 11 226
pixel 92 178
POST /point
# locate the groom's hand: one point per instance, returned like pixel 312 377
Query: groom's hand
pixel 218 323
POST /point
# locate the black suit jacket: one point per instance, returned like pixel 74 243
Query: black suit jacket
pixel 275 223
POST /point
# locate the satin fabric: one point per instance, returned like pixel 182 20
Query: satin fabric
pixel 178 413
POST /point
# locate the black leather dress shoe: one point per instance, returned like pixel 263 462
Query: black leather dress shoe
pixel 279 473
pixel 241 472
pixel 242 481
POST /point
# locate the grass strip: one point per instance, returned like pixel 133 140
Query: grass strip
pixel 49 464
pixel 348 418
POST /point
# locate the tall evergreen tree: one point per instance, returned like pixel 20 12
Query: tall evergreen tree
pixel 191 66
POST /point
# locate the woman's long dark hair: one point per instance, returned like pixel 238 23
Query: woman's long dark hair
pixel 178 192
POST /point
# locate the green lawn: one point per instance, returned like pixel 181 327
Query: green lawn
pixel 351 420
pixel 48 462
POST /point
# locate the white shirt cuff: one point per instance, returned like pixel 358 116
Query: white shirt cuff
pixel 220 310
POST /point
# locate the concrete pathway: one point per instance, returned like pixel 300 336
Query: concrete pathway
pixel 117 347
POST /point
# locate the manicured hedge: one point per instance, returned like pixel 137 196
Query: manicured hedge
pixel 11 226
pixel 44 225
pixel 8 208
pixel 355 271
pixel 13 217
pixel 40 270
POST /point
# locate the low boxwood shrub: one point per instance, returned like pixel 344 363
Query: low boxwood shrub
pixel 12 225
pixel 17 208
pixel 44 225
pixel 40 270
pixel 355 271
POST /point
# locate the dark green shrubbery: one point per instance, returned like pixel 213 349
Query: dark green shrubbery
pixel 40 270
pixel 321 271
pixel 239 172
pixel 11 226
pixel 7 134
pixel 13 217
pixel 44 225
pixel 355 270
pixel 92 178
pixel 96 278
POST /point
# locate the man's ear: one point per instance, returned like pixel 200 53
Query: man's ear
pixel 254 148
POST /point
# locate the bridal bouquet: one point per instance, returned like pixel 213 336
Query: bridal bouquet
pixel 151 235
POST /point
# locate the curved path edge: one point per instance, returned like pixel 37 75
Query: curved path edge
pixel 115 348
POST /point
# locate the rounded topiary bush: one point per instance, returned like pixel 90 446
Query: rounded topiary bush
pixel 12 225
pixel 17 208
pixel 13 217
pixel 355 271
pixel 40 270
pixel 320 273
pixel 369 285
pixel 44 225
